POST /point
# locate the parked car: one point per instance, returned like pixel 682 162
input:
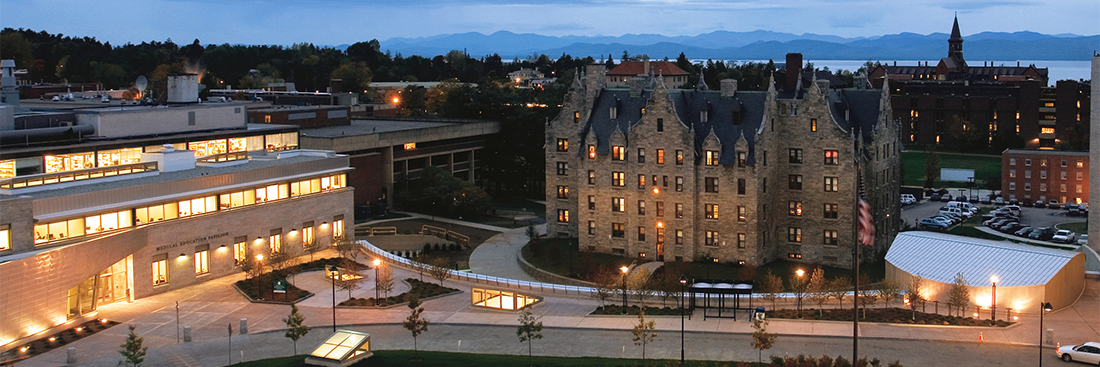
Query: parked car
pixel 999 221
pixel 1023 232
pixel 1012 227
pixel 962 198
pixel 1053 204
pixel 999 201
pixel 1013 202
pixel 1082 240
pixel 1088 352
pixel 934 197
pixel 929 223
pixel 1071 206
pixel 986 200
pixel 1043 233
pixel 907 199
pixel 947 219
pixel 1040 204
pixel 945 197
pixel 1001 227
pixel 1015 209
pixel 1064 236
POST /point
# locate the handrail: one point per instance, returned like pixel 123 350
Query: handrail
pixel 78 175
pixel 223 157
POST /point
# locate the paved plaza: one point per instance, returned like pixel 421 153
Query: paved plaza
pixel 457 326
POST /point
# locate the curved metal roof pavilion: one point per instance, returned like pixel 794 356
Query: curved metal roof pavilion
pixel 938 257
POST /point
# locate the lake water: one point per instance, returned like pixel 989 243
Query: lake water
pixel 1056 69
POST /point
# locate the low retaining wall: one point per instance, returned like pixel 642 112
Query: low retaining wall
pixel 548 277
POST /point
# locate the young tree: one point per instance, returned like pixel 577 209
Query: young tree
pixel 838 288
pixel 867 296
pixel 349 279
pixel 347 249
pixel 913 294
pixel 439 269
pixel 311 246
pixel 606 283
pixel 383 280
pixel 420 264
pixel 931 169
pixel 761 339
pixel 530 328
pixel 958 297
pixel 644 332
pixel 816 289
pixel 414 323
pixel 295 326
pixel 888 290
pixel 772 286
pixel 133 354
pixel 642 285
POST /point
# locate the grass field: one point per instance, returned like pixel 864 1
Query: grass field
pixel 385 358
pixel 984 166
pixel 1079 227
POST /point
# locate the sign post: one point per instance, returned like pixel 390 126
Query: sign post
pixel 280 287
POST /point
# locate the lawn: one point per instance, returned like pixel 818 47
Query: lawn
pixel 384 358
pixel 556 255
pixel 984 166
pixel 1078 227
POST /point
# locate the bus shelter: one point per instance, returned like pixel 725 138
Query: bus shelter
pixel 721 299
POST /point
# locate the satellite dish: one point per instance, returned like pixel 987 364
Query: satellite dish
pixel 141 83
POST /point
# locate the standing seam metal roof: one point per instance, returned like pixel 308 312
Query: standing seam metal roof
pixel 938 257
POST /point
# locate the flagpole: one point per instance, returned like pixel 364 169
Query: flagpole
pixel 855 259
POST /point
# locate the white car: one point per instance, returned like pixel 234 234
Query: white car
pixel 1082 240
pixel 1087 353
pixel 1063 236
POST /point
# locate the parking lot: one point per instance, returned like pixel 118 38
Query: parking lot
pixel 1034 217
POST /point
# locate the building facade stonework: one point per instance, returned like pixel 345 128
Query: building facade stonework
pixel 729 176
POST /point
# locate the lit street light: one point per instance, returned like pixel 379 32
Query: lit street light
pixel 625 270
pixel 1044 307
pixel 993 307
pixel 800 273
pixel 377 263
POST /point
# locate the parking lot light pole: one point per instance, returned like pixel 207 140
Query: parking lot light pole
pixel 333 272
pixel 377 263
pixel 625 270
pixel 1044 307
pixel 683 282
pixel 993 307
pixel 800 272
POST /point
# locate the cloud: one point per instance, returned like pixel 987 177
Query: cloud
pixel 979 5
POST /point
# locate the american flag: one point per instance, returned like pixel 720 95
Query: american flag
pixel 866 225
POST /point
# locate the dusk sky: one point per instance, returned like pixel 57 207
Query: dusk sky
pixel 334 22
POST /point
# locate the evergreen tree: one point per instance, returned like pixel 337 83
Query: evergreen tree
pixel 295 326
pixel 133 354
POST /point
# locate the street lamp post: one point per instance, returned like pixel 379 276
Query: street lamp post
pixel 377 263
pixel 625 270
pixel 993 307
pixel 800 273
pixel 333 273
pixel 1044 307
pixel 683 282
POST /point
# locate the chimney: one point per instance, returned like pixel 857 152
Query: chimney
pixel 635 84
pixel 646 69
pixel 823 85
pixel 595 77
pixel 729 87
pixel 794 71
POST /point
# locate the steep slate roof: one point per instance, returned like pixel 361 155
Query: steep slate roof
pixel 747 106
pixel 938 257
pixel 632 68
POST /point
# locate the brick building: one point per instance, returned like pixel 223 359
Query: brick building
pixel 671 74
pixel 684 175
pixel 1006 106
pixel 1031 175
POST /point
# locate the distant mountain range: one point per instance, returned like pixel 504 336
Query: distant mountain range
pixel 756 45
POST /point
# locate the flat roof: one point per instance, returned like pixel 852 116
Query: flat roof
pixel 16 151
pixel 287 108
pixel 938 257
pixel 368 127
pixel 173 176
pixel 1072 153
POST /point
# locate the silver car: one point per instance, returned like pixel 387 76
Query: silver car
pixel 1087 353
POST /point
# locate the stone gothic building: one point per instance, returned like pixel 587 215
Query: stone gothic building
pixel 728 176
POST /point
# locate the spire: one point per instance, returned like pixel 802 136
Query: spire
pixel 702 85
pixel 955 34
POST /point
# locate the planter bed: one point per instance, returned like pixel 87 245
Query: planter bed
pixel 885 315
pixel 422 290
pixel 633 310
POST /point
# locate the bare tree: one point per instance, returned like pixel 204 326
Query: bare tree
pixel 349 279
pixel 838 288
pixel 383 280
pixel 606 282
pixel 439 268
pixel 347 248
pixel 311 246
pixel 761 339
pixel 816 289
pixel 888 290
pixel 958 297
pixel 642 285
pixel 530 328
pixel 420 264
pixel 916 300
pixel 644 332
pixel 867 295
pixel 771 288
pixel 414 323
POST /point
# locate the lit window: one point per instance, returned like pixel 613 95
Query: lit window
pixel 591 228
pixel 679 237
pixel 563 192
pixel 794 208
pixel 1012 173
pixel 618 205
pixel 832 157
pixel 1046 130
pixel 712 157
pixel 5 237
pixel 742 159
pixel 338 227
pixel 660 209
pixel 1080 164
pixel 275 240
pixel 641 181
pixel 410 146
pixel 794 234
pixel 240 253
pixel 679 157
pixel 679 183
pixel 307 233
pixel 641 233
pixel 813 124
pixel 711 238
pixel 711 211
pixel 742 239
pixel 641 207
pixel 591 151
pixel 563 145
pixel 618 230
pixel 618 153
pixel 160 270
pixel 742 214
pixel 830 237
pixel 591 202
pixel 679 210
pixel 591 177
pixel 576 117
pixel 832 184
pixel 202 265
pixel 618 179
pixel 660 156
pixel 563 216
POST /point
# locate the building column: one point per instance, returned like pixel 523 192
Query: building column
pixel 387 174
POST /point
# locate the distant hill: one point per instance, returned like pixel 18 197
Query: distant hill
pixel 755 45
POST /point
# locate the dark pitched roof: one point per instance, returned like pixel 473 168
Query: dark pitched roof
pixel 631 68
pixel 860 106
pixel 955 34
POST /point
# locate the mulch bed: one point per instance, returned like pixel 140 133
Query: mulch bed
pixel 293 294
pixel 633 310
pixel 421 289
pixel 44 344
pixel 885 315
